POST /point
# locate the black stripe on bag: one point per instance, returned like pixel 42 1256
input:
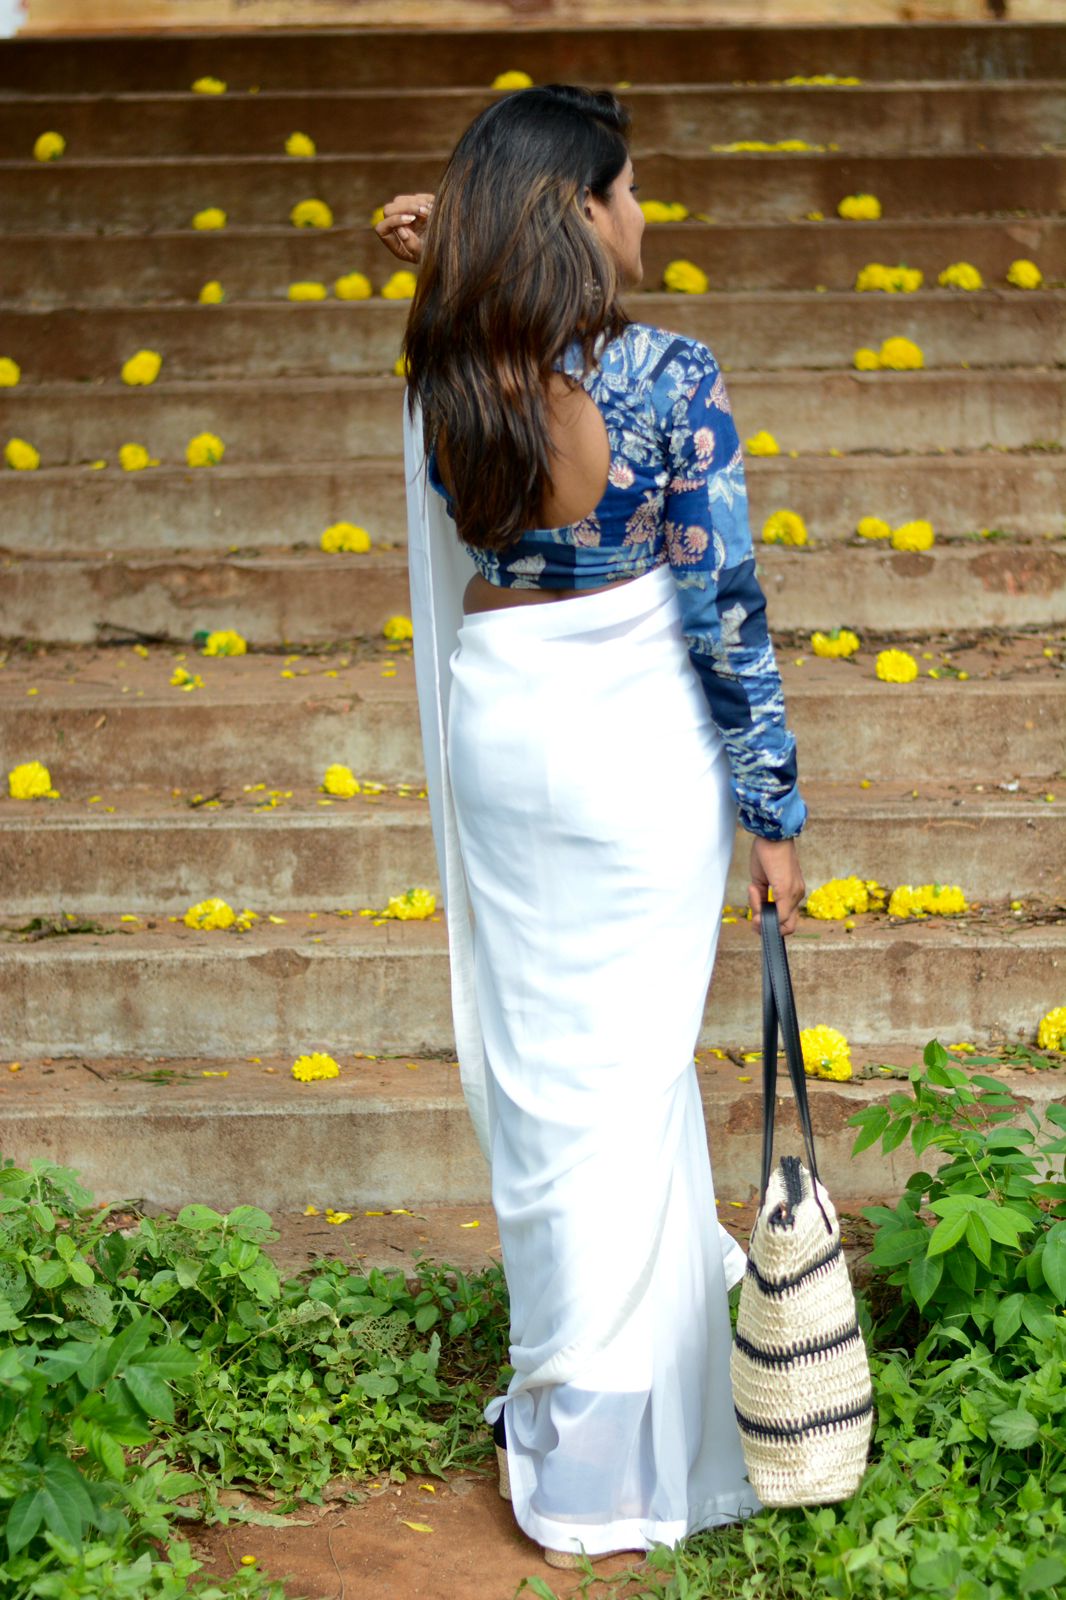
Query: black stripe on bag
pixel 820 1422
pixel 770 1286
pixel 767 1358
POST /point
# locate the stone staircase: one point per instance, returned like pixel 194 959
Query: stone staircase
pixel 156 1058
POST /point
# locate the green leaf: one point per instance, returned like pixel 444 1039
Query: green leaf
pixel 894 1246
pixel 934 1054
pixel 938 1073
pixel 937 1572
pixel 1004 1223
pixel 43 1216
pixel 68 1504
pixel 425 1317
pixel 962 1270
pixel 48 1274
pixel 249 1220
pixel 150 1392
pixel 1008 1318
pixel 199 1217
pixel 66 1249
pixel 1042 1576
pixel 1038 1318
pixel 242 1253
pixel 978 1239
pixel 1053 1261
pixel 188 1270
pixel 896 1134
pixel 923 1277
pixel 947 1233
pixel 1016 1428
pixel 24 1518
pixel 81 1272
pixel 874 1120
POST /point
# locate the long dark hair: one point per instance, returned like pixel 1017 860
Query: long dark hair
pixel 511 274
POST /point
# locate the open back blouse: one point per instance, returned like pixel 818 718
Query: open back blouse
pixel 676 493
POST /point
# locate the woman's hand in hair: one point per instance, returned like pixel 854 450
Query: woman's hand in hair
pixel 403 226
pixel 775 865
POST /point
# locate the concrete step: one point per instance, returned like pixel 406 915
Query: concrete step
pixel 154 852
pixel 382 1135
pixel 874 118
pixel 257 263
pixel 93 713
pixel 760 330
pixel 127 989
pixel 321 419
pixel 347 58
pixel 145 194
pixel 251 506
pixel 295 594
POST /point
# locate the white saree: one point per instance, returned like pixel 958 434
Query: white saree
pixel 584 824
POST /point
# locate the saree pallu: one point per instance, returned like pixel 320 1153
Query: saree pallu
pixel 584 824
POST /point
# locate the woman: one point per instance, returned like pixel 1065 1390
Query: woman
pixel 587 762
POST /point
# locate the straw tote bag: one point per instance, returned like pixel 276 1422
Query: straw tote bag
pixel 799 1367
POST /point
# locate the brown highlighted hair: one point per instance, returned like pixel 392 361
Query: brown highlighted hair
pixel 512 272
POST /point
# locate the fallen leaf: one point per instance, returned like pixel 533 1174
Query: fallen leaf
pixel 417 1527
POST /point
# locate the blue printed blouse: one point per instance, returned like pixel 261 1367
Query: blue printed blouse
pixel 676 493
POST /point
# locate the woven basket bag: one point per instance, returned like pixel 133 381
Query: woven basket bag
pixel 799 1367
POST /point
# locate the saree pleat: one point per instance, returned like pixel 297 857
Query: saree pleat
pixel 585 824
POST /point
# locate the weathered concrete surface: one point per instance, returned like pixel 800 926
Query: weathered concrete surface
pixel 387 988
pixel 260 263
pixel 285 595
pixel 145 194
pixel 171 509
pixel 323 419
pixel 753 329
pixel 351 58
pixel 382 1135
pixel 153 856
pixel 845 719
pixel 870 118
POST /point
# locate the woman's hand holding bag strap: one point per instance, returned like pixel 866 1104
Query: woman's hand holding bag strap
pixel 799 1368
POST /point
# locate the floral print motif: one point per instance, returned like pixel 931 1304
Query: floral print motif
pixel 676 493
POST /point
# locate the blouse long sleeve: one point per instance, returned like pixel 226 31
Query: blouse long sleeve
pixel 723 607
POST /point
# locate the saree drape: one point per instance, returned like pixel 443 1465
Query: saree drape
pixel 584 824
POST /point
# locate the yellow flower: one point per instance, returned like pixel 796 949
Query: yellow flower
pixel 316 1065
pixel 415 905
pixel 353 286
pixel 860 208
pixel 515 79
pixel 210 913
pixel 346 536
pixel 210 217
pixel 928 899
pixel 826 78
pixel 913 536
pixel 300 144
pixel 340 780
pixel 960 275
pixel 21 456
pixel 30 780
pixel 901 355
pixel 684 277
pixel 815 216
pixel 377 215
pixel 663 210
pixel 205 450
pixel 866 360
pixel 399 367
pixel 212 293
pixel 209 86
pixel 762 444
pixel 841 896
pixel 889 279
pixel 401 286
pixel 873 528
pixel 225 642
pixel 133 457
pixel 896 666
pixel 311 214
pixel 10 372
pixel 186 680
pixel 762 145
pixel 307 291
pixel 142 368
pixel 826 1053
pixel 1051 1034
pixel 839 642
pixel 399 628
pixel 49 146
pixel 784 527
pixel 1024 274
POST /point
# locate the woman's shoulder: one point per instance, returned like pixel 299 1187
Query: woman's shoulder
pixel 662 358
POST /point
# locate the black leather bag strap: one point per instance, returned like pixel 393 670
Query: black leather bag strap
pixel 779 1008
